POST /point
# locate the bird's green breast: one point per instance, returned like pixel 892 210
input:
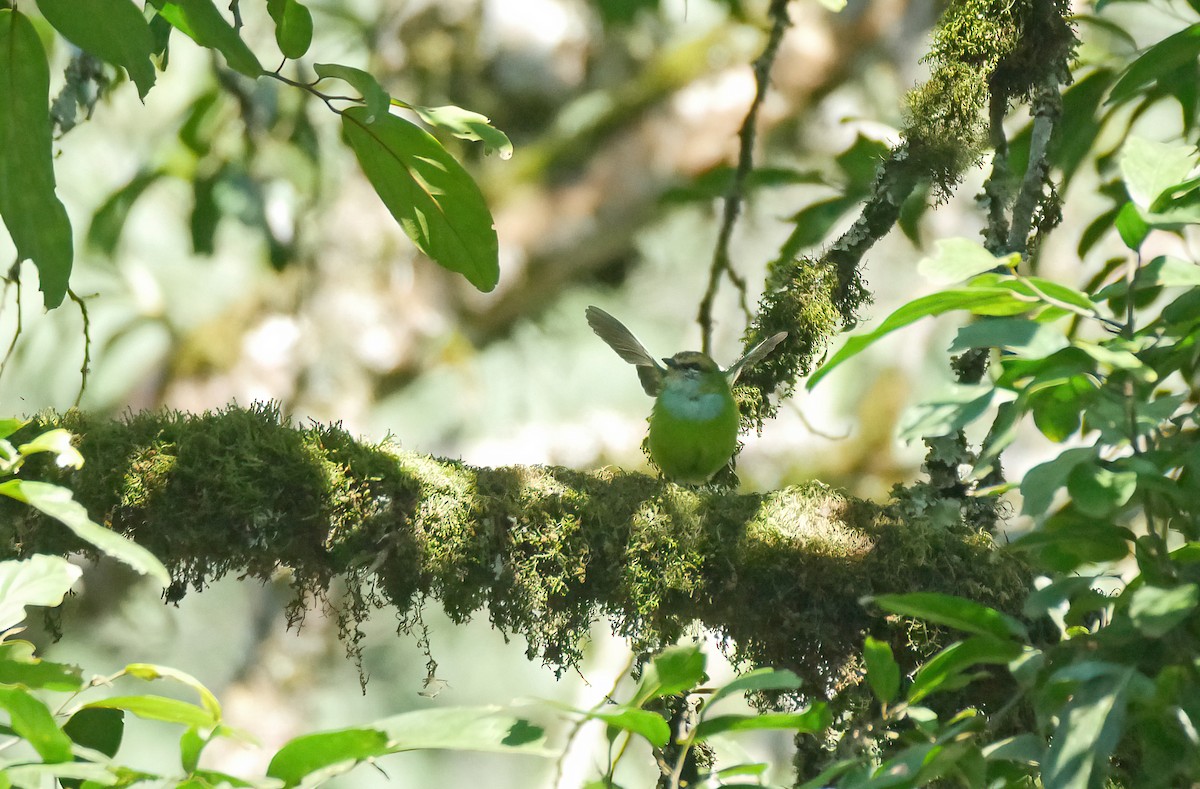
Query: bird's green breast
pixel 693 432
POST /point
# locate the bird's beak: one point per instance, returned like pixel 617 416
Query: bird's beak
pixel 669 362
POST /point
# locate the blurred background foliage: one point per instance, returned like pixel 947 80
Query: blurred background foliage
pixel 229 250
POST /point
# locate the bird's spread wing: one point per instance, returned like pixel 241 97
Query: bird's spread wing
pixel 621 340
pixel 753 356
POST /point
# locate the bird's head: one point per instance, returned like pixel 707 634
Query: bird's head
pixel 691 366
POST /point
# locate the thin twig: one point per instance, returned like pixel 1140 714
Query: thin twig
pixel 13 278
pixel 721 264
pixel 87 345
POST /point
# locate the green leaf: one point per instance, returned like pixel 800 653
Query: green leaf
pixel 816 718
pixel 984 300
pixel 758 679
pixel 58 503
pixel 20 666
pixel 373 95
pixel 649 725
pixel 1025 748
pixel 671 671
pixel 307 754
pixel 1151 168
pixel 152 671
pixel 38 580
pixel 1161 59
pixel 1155 611
pixel 10 426
pixel 1078 540
pixel 109 220
pixel 946 415
pixel 113 30
pixel 98 729
pixel 433 198
pixel 945 670
pixel 951 611
pixel 883 672
pixel 32 721
pixel 32 212
pixel 1020 335
pixel 191 745
pixel 1132 228
pixel 200 21
pixel 466 125
pixel 958 259
pixel 293 27
pixel 1100 491
pixel 158 708
pixel 1041 482
pixel 1059 591
pixel 1090 724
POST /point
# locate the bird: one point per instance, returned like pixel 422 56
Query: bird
pixel 694 422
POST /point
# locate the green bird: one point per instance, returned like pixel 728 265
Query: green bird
pixel 694 423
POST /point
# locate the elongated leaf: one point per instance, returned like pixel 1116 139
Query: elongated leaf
pixel 946 415
pixel 158 708
pixel 32 720
pixel 671 671
pixel 1156 611
pixel 20 666
pixel 1089 727
pixel 649 725
pixel 31 210
pixel 984 300
pixel 109 219
pixel 1150 168
pixel 200 21
pixel 293 27
pixel 1157 61
pixel 38 580
pixel 1019 335
pixel 815 718
pixel 57 441
pixel 304 755
pixel 758 679
pixel 946 670
pixel 883 672
pixel 959 259
pixel 433 198
pixel 112 30
pixel 951 611
pixel 151 671
pixel 58 503
pixel 372 93
pixel 467 125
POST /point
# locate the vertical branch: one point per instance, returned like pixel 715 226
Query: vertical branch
pixel 86 367
pixel 1047 106
pixel 996 189
pixel 721 264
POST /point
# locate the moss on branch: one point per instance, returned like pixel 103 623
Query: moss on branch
pixel 546 550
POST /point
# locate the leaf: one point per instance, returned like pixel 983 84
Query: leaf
pixel 944 671
pixel 10 426
pixel 951 611
pixel 1160 59
pixel 671 671
pixel 20 666
pixel 1156 611
pixel 293 27
pixel 466 125
pixel 958 259
pixel 949 414
pixel 306 754
pixel 32 212
pixel 1090 724
pixel 373 95
pixel 151 671
pixel 1100 491
pixel 57 441
pixel 38 580
pixel 1040 483
pixel 1150 168
pixel 113 30
pixel 816 718
pixel 1022 336
pixel 758 679
pixel 645 723
pixel 58 503
pixel 433 198
pixel 32 721
pixel 985 300
pixel 883 672
pixel 109 219
pixel 200 21
pixel 158 708
pixel 1026 748
pixel 1130 225
pixel 97 729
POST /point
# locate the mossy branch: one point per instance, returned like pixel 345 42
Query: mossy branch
pixel 546 550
